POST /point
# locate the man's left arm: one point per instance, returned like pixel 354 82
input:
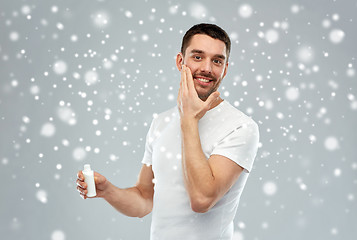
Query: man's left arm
pixel 206 180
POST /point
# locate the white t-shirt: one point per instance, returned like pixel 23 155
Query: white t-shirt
pixel 223 130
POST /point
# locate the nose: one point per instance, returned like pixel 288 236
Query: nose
pixel 206 66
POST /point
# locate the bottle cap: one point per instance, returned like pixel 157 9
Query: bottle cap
pixel 87 167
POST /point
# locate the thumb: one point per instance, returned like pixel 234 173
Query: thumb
pixel 99 179
pixel 212 98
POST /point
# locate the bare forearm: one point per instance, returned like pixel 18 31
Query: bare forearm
pixel 129 202
pixel 198 175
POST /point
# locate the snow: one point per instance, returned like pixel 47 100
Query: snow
pixel 35 90
pixel 145 37
pixel 91 77
pixel 58 235
pixel 351 72
pixel 270 188
pixel 241 225
pixel 67 115
pixel 292 93
pixel 265 225
pixel 331 143
pixel 305 54
pixel 173 9
pixel 5 161
pixel 198 11
pixel 82 82
pixel 41 196
pixel 48 130
pixel 60 67
pixel 334 231
pixel 26 119
pixel 245 11
pixel 14 36
pixel 128 14
pixel 337 172
pixel 100 19
pixel 326 23
pixel 336 36
pixel 25 10
pixel 271 36
pixel 54 9
pixel 295 8
pixel 79 154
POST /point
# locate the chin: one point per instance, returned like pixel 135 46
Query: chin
pixel 203 97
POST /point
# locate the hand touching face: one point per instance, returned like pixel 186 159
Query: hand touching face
pixel 191 107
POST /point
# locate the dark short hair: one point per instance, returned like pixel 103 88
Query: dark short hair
pixel 211 30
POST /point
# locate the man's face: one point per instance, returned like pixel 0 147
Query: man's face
pixel 207 59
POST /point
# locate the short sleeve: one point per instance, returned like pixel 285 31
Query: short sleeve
pixel 147 159
pixel 240 145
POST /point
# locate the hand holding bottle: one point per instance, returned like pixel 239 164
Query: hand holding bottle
pixel 101 184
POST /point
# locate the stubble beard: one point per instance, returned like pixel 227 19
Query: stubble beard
pixel 204 97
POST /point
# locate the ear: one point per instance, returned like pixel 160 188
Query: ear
pixel 179 61
pixel 225 70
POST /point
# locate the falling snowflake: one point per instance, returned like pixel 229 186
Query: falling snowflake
pixel 91 77
pixel 60 67
pixel 58 235
pixel 198 10
pixel 79 154
pixel 245 11
pixel 48 130
pixel 41 196
pixel 271 36
pixel 270 188
pixel 336 36
pixel 331 143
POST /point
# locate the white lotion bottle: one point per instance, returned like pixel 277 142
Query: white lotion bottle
pixel 89 179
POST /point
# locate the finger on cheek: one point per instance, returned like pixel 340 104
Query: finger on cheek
pixel 182 82
pixel 189 81
pixel 185 78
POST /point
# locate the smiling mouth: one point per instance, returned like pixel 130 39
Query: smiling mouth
pixel 203 80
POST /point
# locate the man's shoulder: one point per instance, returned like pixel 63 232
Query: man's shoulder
pixel 233 114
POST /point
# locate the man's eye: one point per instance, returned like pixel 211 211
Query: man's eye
pixel 217 61
pixel 197 57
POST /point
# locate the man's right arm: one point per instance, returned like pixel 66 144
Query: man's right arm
pixel 136 201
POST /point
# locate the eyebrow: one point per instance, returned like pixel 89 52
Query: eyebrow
pixel 202 52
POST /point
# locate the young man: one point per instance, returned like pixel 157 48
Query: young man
pixel 198 154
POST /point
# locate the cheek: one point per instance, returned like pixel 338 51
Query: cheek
pixel 192 67
pixel 219 72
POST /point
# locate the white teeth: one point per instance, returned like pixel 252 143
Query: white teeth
pixel 203 80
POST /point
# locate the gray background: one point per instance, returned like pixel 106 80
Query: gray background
pixel 292 68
